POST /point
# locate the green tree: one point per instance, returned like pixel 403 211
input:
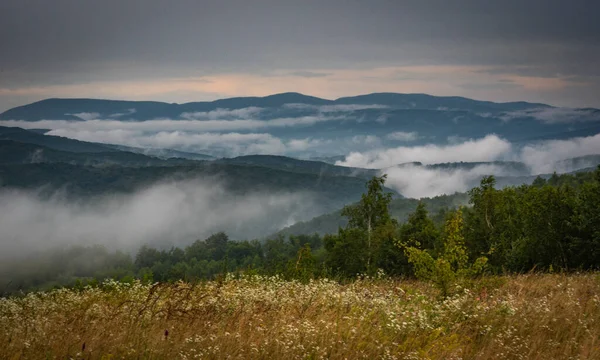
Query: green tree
pixel 419 230
pixel 356 248
pixel 584 248
pixel 452 264
pixel 370 213
pixel 304 267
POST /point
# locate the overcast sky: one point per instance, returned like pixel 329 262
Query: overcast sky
pixel 178 51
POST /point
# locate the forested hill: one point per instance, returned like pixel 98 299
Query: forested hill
pixel 13 152
pixel 400 208
pixel 296 165
pixel 53 142
pixel 39 137
pixel 551 225
pixel 71 109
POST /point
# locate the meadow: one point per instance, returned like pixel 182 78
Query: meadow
pixel 532 316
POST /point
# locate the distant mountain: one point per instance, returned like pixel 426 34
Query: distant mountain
pixel 323 128
pixel 296 165
pixel 75 109
pixel 81 109
pixel 13 152
pixel 329 159
pixel 53 142
pixel 163 153
pixel 270 101
pixel 430 102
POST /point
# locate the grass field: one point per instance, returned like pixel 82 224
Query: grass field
pixel 520 317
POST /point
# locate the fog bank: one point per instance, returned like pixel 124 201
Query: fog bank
pixel 174 213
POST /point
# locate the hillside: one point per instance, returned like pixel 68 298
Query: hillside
pixel 400 208
pixel 13 152
pixel 53 142
pixel 74 109
pixel 297 165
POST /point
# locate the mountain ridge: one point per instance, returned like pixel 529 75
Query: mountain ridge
pixel 70 108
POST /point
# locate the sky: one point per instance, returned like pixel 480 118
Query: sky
pixel 179 51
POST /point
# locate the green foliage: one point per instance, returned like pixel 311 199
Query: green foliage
pixel 304 267
pixel 545 225
pixel 420 230
pixel 452 264
pixel 364 243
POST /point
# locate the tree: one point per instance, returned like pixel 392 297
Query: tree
pixel 146 257
pixel 303 267
pixel 585 246
pixel 419 230
pixel 370 213
pixel 452 264
pixel 356 249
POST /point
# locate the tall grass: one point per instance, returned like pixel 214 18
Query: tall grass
pixel 520 317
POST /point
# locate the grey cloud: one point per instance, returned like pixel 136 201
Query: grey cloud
pixel 227 114
pixel 403 136
pixel 489 148
pixel 214 121
pixel 309 74
pixel 68 41
pixel 546 156
pixel 120 115
pixel 86 116
pixel 504 85
pixel 418 181
pixel 217 144
pixel 178 212
pixel 555 115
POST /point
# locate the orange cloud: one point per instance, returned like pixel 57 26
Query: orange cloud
pixel 433 79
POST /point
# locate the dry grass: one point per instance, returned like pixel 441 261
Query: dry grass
pixel 522 317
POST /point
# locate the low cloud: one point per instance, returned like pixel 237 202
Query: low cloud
pixel 306 144
pixel 224 114
pixel 166 214
pixel 554 115
pixel 219 144
pixel 123 114
pixel 86 115
pixel 422 181
pixel 336 107
pixel 542 157
pixel 403 136
pixel 208 121
pixel 416 181
pixel 489 148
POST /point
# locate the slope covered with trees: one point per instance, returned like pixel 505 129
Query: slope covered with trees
pixel 550 225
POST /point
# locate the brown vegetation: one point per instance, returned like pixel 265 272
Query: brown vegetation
pixel 517 317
